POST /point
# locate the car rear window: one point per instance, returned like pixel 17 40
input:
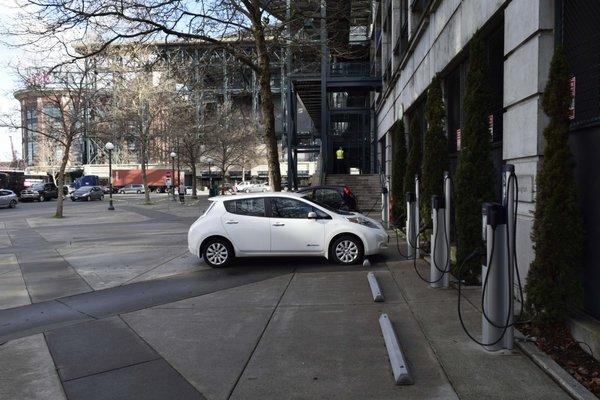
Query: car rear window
pixel 254 207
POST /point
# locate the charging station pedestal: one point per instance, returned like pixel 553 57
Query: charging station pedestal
pixel 508 200
pixel 417 215
pixel 411 225
pixel 497 296
pixel 439 245
pixel 448 203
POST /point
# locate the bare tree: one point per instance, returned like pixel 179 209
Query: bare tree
pixel 141 101
pixel 250 30
pixel 230 137
pixel 188 127
pixel 66 100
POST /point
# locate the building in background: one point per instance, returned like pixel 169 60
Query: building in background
pixel 415 40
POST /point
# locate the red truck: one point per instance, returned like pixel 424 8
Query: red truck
pixel 158 178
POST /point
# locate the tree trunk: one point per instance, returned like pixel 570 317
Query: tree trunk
pixel 194 184
pixel 144 175
pixel 61 181
pixel 267 107
pixel 223 178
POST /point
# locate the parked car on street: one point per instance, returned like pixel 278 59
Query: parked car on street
pixel 68 189
pixel 134 188
pixel 88 193
pixel 8 198
pixel 188 191
pixel 336 197
pixel 40 192
pixel 282 224
pixel 243 186
pixel 258 188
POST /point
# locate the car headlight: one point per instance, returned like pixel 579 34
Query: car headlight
pixel 362 221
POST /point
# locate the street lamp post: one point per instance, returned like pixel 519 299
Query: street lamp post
pixel 109 147
pixel 209 174
pixel 173 155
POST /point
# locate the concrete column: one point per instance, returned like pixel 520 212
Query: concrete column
pixel 528 48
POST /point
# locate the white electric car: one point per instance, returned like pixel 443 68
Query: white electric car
pixel 282 224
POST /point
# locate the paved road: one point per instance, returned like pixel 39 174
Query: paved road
pixel 109 305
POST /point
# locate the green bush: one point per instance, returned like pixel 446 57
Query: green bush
pixel 554 281
pixel 435 154
pixel 413 163
pixel 474 182
pixel 398 166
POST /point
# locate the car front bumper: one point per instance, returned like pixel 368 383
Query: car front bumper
pixel 376 242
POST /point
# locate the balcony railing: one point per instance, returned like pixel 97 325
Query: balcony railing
pixel 350 68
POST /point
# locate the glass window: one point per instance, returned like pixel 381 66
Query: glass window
pixel 254 207
pixel 289 208
pixel 330 197
pixel 230 206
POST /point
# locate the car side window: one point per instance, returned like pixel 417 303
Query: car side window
pixel 254 207
pixel 4 193
pixel 329 197
pixel 282 207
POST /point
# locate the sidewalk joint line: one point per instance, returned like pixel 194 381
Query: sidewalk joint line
pixel 293 274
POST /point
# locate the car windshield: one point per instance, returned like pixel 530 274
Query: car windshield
pixel 328 207
pixel 84 189
pixel 39 186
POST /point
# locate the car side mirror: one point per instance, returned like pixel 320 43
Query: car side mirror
pixel 312 215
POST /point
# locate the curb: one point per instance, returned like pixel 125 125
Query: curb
pixel 569 384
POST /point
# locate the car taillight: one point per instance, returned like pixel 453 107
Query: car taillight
pixel 347 191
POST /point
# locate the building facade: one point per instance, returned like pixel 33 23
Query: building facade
pixel 415 40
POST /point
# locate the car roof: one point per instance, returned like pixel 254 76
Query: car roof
pixel 291 195
pixel 307 188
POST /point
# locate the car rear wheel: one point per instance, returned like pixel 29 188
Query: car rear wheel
pixel 12 204
pixel 347 250
pixel 42 197
pixel 218 253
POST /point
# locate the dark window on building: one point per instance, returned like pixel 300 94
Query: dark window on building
pixel 402 40
pixel 581 40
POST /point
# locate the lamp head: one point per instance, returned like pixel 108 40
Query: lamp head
pixel 109 146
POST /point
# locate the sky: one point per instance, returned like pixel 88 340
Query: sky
pixel 8 83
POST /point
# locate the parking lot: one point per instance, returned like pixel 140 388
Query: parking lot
pixel 110 304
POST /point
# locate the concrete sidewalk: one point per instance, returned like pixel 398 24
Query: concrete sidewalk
pixel 138 319
pixel 312 333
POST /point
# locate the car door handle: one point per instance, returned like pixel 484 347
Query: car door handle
pixel 231 222
pixel 278 224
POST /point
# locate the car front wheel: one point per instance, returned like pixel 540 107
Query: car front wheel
pixel 42 198
pixel 347 250
pixel 218 253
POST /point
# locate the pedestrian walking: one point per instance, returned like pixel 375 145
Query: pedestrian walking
pixel 339 159
pixel 182 193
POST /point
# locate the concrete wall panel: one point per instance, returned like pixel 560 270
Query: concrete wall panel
pixel 523 125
